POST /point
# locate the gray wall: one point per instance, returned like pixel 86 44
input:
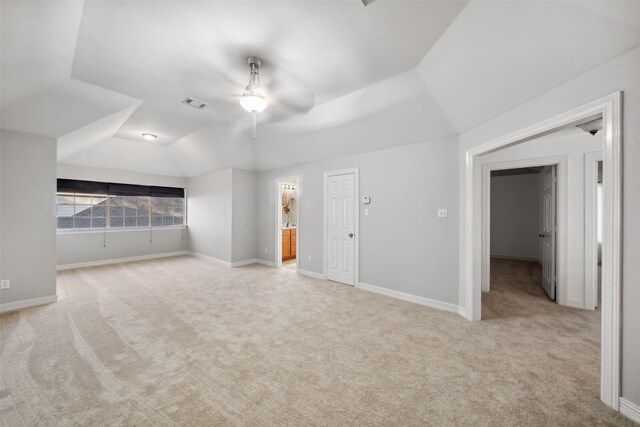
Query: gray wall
pixel 27 216
pixel 620 74
pixel 244 215
pixel 403 245
pixel 515 212
pixel 209 214
pixel 88 246
pixel 80 247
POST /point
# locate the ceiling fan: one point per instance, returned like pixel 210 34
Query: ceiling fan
pixel 252 100
pixel 275 95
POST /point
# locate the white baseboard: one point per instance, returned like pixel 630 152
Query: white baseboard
pixel 17 305
pixel 574 303
pixel 265 262
pixel 311 274
pixel 234 264
pixel 245 262
pixel 630 410
pixel 462 312
pixel 410 298
pixel 515 258
pixel 210 258
pixel 118 260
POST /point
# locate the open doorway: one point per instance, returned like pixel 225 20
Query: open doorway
pixel 553 138
pixel 287 205
pixel 523 228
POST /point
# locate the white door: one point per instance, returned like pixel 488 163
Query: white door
pixel 341 228
pixel 548 232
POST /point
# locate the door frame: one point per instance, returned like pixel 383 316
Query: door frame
pixel 562 215
pixel 610 107
pixel 278 224
pixel 325 223
pixel 591 228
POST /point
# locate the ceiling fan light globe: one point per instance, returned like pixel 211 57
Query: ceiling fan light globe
pixel 253 102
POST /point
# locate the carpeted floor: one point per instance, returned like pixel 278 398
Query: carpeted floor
pixel 183 341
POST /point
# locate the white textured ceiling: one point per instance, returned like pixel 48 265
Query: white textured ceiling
pixel 97 74
pixel 500 54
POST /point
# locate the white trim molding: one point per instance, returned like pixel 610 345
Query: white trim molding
pixel 440 305
pixel 18 305
pixel 591 161
pixel 609 107
pixel 243 263
pixel 210 258
pixel 265 262
pixel 119 260
pixel 630 410
pixel 311 274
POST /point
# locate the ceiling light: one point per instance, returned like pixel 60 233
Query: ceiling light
pixel 149 136
pixel 253 102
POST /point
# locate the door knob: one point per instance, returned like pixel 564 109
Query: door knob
pixel 350 234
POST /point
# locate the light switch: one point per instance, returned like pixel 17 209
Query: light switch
pixel 442 213
pixel 366 212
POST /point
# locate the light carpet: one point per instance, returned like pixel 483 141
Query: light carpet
pixel 184 341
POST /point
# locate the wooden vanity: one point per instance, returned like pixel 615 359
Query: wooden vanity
pixel 288 243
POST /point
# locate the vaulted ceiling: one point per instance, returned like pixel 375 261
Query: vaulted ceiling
pixel 340 78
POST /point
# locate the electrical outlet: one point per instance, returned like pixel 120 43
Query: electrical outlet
pixel 309 258
pixel 5 284
pixel 442 213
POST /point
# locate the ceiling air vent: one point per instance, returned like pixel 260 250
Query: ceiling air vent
pixel 195 103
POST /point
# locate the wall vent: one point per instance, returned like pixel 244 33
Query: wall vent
pixel 195 103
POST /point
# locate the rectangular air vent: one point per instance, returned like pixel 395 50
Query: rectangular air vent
pixel 195 103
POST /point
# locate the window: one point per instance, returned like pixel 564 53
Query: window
pixel 96 206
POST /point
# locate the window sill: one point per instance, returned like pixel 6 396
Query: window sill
pixel 116 230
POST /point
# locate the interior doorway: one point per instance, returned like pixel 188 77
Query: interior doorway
pixel 522 222
pixel 608 111
pixel 287 222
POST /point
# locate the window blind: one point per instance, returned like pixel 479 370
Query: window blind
pixel 116 189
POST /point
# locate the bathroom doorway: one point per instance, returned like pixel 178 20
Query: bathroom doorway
pixel 287 204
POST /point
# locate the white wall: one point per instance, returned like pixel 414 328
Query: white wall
pixel 403 245
pixel 209 214
pixel 96 245
pixel 515 201
pixel 244 215
pixel 620 74
pixel 27 216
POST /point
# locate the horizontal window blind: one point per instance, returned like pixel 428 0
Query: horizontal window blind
pixel 116 189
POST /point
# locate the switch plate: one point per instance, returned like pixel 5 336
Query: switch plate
pixel 366 212
pixel 266 250
pixel 442 213
pixel 309 258
pixel 5 284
